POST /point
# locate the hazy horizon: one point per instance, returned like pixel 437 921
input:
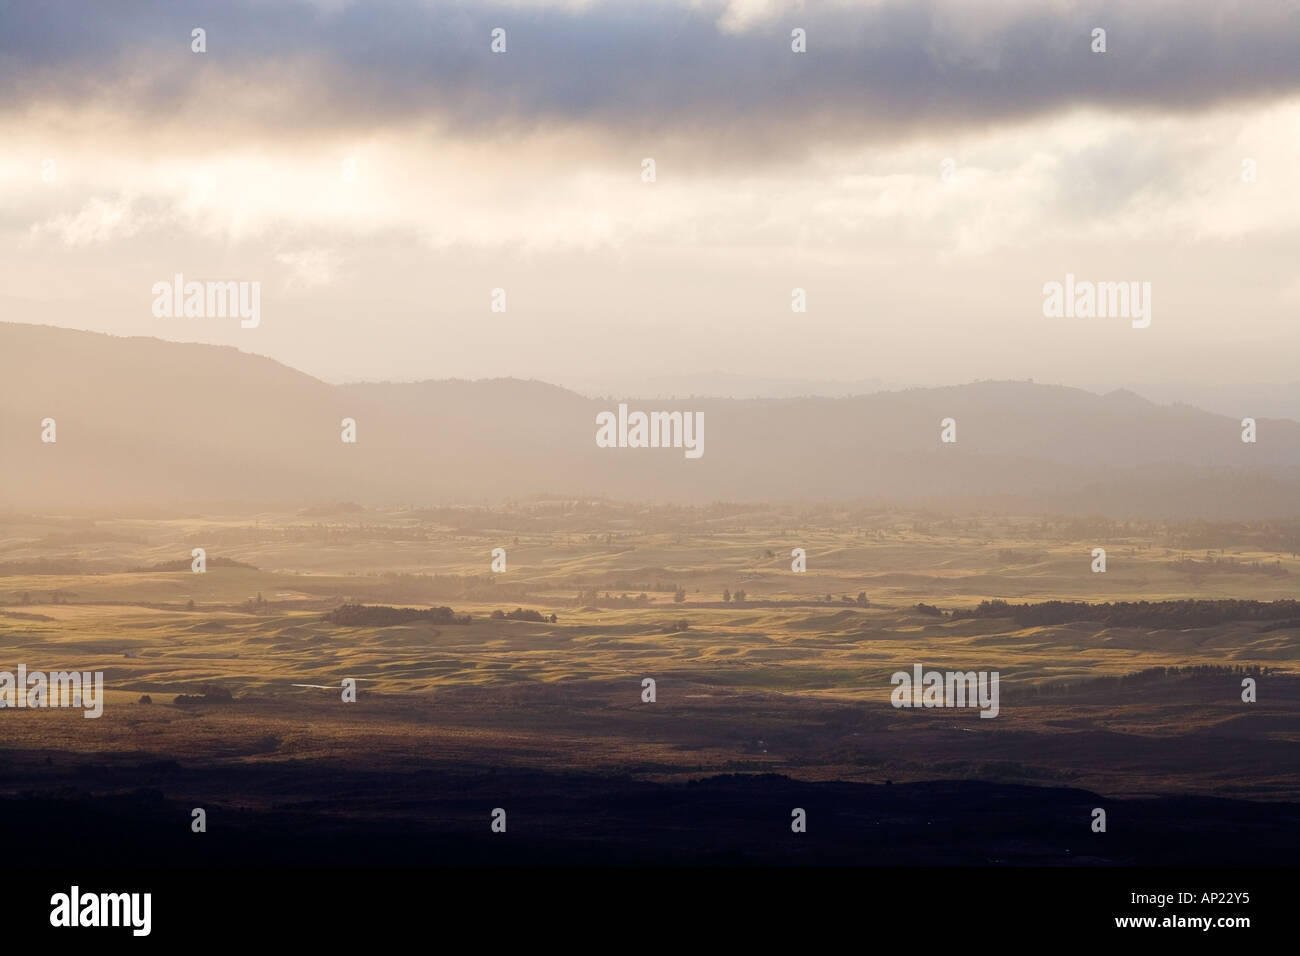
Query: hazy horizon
pixel 162 422
pixel 1267 399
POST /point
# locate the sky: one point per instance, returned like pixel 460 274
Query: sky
pixel 920 171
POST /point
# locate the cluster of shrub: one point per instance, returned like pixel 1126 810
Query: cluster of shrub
pixel 208 694
pixel 1267 535
pixel 378 615
pixel 185 564
pixel 1227 564
pixel 1151 675
pixel 1154 614
pixel 520 614
pixel 253 605
pixel 623 584
pixel 590 597
pixel 56 597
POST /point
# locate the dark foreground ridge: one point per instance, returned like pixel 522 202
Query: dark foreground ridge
pixel 441 816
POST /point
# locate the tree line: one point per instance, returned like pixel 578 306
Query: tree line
pixel 1153 614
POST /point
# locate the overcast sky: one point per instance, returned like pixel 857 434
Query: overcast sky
pixel 825 170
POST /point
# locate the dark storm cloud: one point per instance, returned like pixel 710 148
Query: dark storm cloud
pixel 639 69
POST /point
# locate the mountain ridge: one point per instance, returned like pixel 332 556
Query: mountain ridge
pixel 141 420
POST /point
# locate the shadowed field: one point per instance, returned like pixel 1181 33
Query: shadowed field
pixel 794 681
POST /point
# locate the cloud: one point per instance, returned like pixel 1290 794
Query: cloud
pixel 98 220
pixel 720 76
pixel 1087 175
pixel 309 267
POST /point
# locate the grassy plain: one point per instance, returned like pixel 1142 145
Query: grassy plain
pixel 793 681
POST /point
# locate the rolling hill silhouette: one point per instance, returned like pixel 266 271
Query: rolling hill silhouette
pixel 143 422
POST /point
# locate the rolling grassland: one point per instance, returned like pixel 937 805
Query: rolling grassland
pixel 243 668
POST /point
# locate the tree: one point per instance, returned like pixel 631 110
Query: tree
pixel 740 596
pixel 679 596
pixel 726 595
pixel 862 599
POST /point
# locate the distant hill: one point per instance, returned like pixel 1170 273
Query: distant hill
pixel 1273 399
pixel 142 422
